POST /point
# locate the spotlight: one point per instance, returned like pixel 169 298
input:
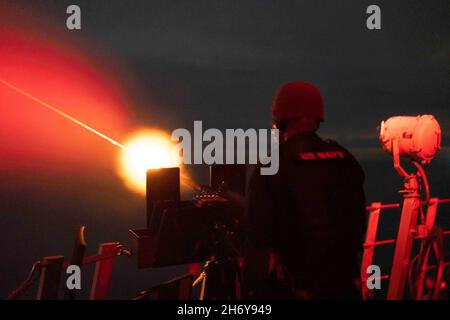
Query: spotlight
pixel 417 138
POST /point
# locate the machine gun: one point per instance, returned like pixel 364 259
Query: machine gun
pixel 191 231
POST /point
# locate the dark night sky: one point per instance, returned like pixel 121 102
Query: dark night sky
pixel 220 62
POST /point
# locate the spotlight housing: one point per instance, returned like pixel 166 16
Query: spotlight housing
pixel 417 137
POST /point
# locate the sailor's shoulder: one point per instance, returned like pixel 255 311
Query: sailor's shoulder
pixel 332 143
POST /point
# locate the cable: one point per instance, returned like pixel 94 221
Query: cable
pixel 424 179
pixel 418 266
pixel 34 274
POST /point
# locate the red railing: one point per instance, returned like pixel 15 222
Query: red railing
pixel 371 241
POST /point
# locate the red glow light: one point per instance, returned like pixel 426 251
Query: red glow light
pixel 32 136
